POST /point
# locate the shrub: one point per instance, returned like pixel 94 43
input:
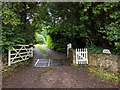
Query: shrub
pixel 50 44
pixel 39 39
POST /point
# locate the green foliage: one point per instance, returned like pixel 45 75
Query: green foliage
pixel 50 43
pixel 82 24
pixel 16 28
pixel 112 29
pixel 9 16
pixel 44 34
pixel 96 49
pixel 39 39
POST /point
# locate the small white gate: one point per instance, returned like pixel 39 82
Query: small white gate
pixel 19 53
pixel 81 56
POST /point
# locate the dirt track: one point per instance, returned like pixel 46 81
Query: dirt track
pixel 55 77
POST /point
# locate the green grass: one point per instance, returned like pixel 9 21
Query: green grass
pixel 104 74
pixel 37 44
pixel 41 49
pixel 11 69
pixel 96 49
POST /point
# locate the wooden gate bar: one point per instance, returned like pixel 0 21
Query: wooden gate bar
pixel 21 54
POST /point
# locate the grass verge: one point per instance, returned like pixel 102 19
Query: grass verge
pixel 104 74
pixel 8 70
pixel 41 49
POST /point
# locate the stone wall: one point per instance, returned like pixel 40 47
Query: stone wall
pixel 108 61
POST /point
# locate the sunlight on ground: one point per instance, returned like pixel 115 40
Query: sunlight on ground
pixel 41 48
pixel 39 44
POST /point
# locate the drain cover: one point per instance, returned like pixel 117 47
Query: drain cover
pixel 47 63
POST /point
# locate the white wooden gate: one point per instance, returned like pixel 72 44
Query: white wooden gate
pixel 81 56
pixel 19 53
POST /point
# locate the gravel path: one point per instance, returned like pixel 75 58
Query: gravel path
pixel 53 77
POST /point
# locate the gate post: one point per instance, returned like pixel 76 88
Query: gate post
pixel 68 47
pixel 87 55
pixel 9 57
pixel 31 51
pixel 76 56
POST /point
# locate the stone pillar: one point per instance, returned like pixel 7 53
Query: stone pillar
pixel 74 57
pixel 68 47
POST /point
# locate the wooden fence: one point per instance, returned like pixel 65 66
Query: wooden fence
pixel 19 53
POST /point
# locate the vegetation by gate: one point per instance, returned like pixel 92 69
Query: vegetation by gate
pixel 19 53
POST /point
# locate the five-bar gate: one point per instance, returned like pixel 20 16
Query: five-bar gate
pixel 19 53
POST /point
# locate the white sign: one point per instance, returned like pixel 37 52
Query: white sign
pixel 106 51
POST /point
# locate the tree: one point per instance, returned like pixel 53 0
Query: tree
pixel 16 27
pixel 82 24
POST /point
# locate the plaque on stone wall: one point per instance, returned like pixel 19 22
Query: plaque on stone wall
pixel 106 51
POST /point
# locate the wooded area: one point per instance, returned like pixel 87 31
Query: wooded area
pixel 84 24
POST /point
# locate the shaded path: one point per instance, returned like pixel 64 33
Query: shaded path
pixel 51 58
pixel 51 54
pixel 54 77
